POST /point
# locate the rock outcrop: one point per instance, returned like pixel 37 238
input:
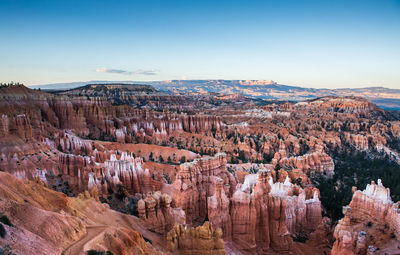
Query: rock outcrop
pixel 201 240
pixel 370 221
pixel 218 210
pixel 316 162
pixel 48 222
pixel 156 211
pixel 260 215
pixel 265 214
pixel 196 181
pixel 123 170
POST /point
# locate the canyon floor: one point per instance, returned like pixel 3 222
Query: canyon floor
pixel 127 169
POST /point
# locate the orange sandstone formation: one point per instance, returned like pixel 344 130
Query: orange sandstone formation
pixel 196 181
pixel 156 211
pixel 265 214
pixel 201 240
pixel 370 222
pixel 218 210
pixel 48 222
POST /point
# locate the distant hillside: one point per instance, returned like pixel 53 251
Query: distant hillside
pixel 383 97
pixel 104 89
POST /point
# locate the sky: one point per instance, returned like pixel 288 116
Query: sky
pixel 320 44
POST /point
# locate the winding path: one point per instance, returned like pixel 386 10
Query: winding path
pixel 77 247
pixel 92 232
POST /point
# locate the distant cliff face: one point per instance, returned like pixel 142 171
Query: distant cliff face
pixel 384 97
pixel 111 90
pixel 267 89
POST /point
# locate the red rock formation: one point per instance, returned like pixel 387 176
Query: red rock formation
pixel 96 117
pixel 317 162
pixel 395 128
pixel 125 170
pixel 264 214
pixel 201 240
pixel 359 141
pixel 345 105
pixel 218 210
pixel 48 222
pixel 69 142
pixel 43 135
pixel 156 211
pixel 196 181
pixel 371 220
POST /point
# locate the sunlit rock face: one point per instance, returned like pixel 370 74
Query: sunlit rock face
pixel 218 210
pixel 156 211
pixel 122 170
pixel 265 214
pixel 48 222
pixel 316 162
pixel 259 215
pixel 45 136
pixel 200 240
pixel 370 221
pixel 196 181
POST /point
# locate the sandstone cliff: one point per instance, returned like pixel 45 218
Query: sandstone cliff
pixel 370 222
pixel 196 181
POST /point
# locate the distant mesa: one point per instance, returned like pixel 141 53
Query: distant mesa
pixel 261 89
pixel 116 86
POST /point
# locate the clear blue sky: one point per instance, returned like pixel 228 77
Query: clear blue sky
pixel 308 43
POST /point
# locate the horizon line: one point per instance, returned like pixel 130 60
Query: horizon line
pixel 147 81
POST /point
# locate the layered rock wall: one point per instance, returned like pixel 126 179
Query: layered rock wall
pixel 156 211
pixel 316 162
pixel 265 214
pixel 218 210
pixel 196 181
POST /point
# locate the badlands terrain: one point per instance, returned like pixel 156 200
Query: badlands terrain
pixel 128 169
pixel 262 89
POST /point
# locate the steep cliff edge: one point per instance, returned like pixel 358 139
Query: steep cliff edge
pixel 370 224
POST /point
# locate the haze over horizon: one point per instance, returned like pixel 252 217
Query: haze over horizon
pixel 314 44
pixel 157 81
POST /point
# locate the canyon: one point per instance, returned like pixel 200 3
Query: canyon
pixel 265 89
pixel 132 170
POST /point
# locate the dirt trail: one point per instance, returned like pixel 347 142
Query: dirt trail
pixel 77 247
pixel 157 240
pixel 92 232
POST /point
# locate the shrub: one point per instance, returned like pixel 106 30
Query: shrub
pixel 5 220
pixel 6 250
pixel 3 231
pixel 183 159
pixel 147 240
pixel 121 192
pixel 94 252
pixel 300 238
